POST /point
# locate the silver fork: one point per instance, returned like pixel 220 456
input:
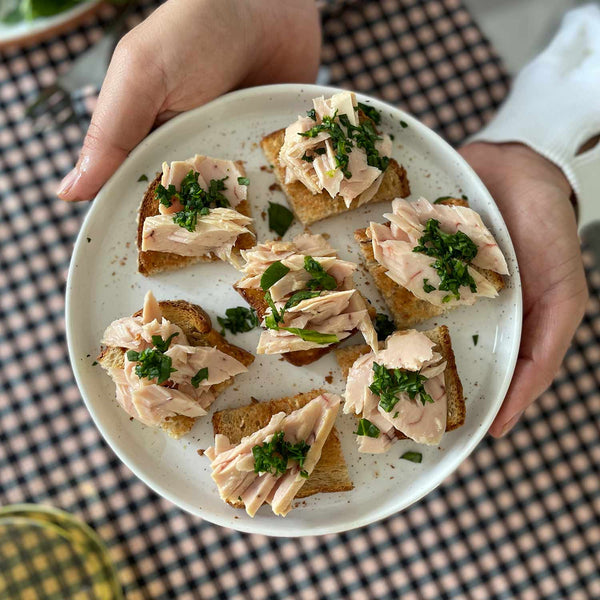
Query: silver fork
pixel 54 105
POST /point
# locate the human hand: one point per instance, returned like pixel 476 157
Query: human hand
pixel 533 196
pixel 185 54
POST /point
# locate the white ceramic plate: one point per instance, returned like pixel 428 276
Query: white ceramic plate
pixel 104 285
pixel 26 31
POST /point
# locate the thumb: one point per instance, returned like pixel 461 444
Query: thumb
pixel 128 104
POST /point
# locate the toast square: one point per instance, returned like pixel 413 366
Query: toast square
pixel 151 262
pixel 407 310
pixel 197 326
pixel 330 473
pixel 309 207
pixel 443 344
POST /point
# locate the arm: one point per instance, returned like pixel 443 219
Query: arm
pixel 184 55
pixel 529 158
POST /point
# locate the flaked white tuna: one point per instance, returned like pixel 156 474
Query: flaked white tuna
pixel 409 269
pixel 424 423
pixel 214 233
pixel 409 218
pixel 149 402
pixel 208 168
pixel 233 466
pixel 322 173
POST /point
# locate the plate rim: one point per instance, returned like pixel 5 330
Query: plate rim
pixel 248 527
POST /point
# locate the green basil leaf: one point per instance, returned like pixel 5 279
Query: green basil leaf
pixel 365 427
pixel 280 218
pixel 415 457
pixel 273 274
pixel 201 375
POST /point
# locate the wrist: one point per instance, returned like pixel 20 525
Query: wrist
pixel 510 162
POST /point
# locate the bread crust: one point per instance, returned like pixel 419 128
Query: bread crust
pixel 407 310
pixel 151 262
pixel 457 410
pixel 197 326
pixel 309 207
pixel 329 475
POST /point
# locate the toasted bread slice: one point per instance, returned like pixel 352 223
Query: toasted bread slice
pixel 151 262
pixel 197 327
pixel 408 310
pixel 309 207
pixel 443 344
pixel 330 474
pixel 300 358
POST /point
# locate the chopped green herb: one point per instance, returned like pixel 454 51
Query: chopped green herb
pixel 371 112
pixel 280 218
pixel 201 375
pixel 320 151
pixel 321 279
pixel 312 113
pixel 404 124
pixel 297 297
pixel 163 345
pixel 273 456
pixel 365 427
pixel 396 415
pixel 152 364
pixel 310 335
pixel 344 136
pixel 307 158
pixel 238 320
pixel 304 474
pixel 415 457
pixel 195 200
pixel 243 181
pixel 475 339
pixel 392 136
pixel 384 326
pixel 274 272
pixel 94 363
pixel 388 383
pixel 272 320
pixel 465 197
pixel 143 177
pixel 453 252
pixel 427 287
pixel 441 199
pixel 89 239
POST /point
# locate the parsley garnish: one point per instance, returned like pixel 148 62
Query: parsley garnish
pixel 280 218
pixel 363 135
pixel 427 287
pixel 384 326
pixel 304 474
pixel 143 177
pixel 475 339
pixel 195 200
pixel 388 383
pixel 415 457
pixel 441 199
pixel 365 427
pixel 404 124
pixel 243 181
pixel 163 345
pixel 310 335
pixel 273 457
pixel 371 112
pixel 321 279
pixel 312 113
pixel 152 364
pixel 453 252
pixel 305 157
pixel 273 273
pixel 201 375
pixel 238 320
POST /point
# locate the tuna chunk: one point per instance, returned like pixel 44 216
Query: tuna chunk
pixel 233 466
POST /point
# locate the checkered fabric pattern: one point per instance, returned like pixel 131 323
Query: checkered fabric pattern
pixel 519 519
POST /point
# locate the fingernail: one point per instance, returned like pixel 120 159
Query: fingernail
pixel 67 183
pixel 511 423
